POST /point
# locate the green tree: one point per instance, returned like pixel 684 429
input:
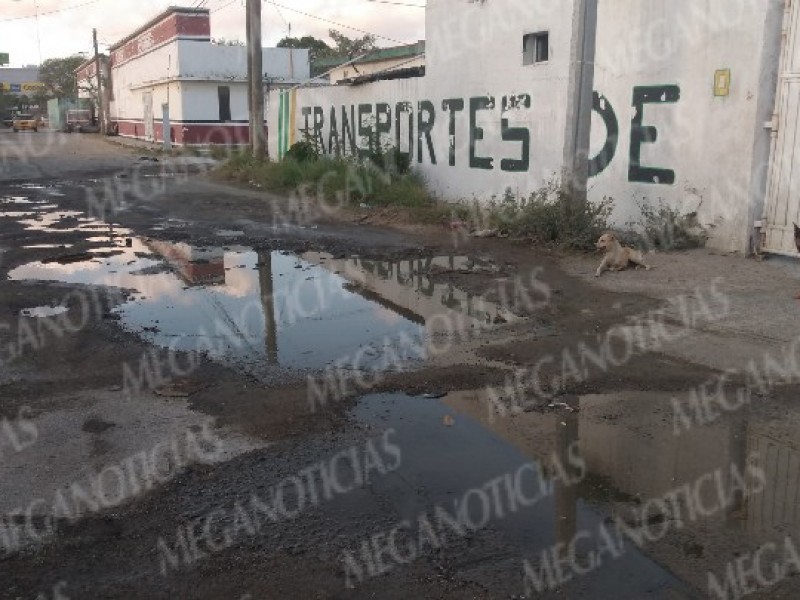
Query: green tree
pixel 58 75
pixel 317 48
pixel 351 47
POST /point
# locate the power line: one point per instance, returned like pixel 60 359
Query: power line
pixel 280 14
pixel 396 3
pixel 339 24
pixel 224 6
pixel 51 12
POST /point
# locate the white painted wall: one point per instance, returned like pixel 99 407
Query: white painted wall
pixel 210 64
pixel 713 144
pixel 202 60
pixel 716 146
pixel 475 52
pixel 131 79
pixel 201 100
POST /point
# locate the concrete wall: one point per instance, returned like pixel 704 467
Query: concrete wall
pixel 659 131
pixel 480 120
pixel 187 74
pixel 211 61
pixel 655 67
pixel 141 75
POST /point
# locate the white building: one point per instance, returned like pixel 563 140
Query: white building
pixel 685 105
pixel 381 61
pixel 169 71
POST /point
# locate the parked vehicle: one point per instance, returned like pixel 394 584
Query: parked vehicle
pixel 8 120
pixel 25 122
pixel 78 119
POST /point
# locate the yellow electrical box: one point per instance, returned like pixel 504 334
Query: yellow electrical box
pixel 722 82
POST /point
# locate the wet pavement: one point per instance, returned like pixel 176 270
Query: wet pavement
pixel 423 479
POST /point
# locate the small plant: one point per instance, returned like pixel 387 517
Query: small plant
pixel 217 152
pixel 302 152
pixel 548 216
pixel 665 228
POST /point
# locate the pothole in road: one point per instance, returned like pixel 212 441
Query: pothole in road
pixel 261 309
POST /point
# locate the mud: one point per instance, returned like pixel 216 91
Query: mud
pixel 148 307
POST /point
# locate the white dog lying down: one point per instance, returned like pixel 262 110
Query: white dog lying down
pixel 617 256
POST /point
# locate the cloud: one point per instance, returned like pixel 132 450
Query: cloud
pixel 70 31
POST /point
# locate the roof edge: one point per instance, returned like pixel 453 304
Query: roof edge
pixel 158 18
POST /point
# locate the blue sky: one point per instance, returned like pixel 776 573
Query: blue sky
pixel 69 30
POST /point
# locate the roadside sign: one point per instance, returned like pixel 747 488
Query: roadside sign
pixel 4 58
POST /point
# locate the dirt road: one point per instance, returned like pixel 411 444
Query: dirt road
pixel 212 392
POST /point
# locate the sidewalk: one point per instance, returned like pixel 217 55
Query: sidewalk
pixel 763 317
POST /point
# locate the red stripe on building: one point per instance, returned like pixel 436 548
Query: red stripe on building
pixel 193 134
pixel 169 26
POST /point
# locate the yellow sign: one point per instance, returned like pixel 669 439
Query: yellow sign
pixel 722 82
pixel 29 87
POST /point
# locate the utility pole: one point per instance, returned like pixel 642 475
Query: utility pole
pixel 255 79
pixel 101 112
pixel 579 102
pixel 250 133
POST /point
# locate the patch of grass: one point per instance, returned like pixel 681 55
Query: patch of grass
pixel 548 217
pixel 331 178
pixel 385 179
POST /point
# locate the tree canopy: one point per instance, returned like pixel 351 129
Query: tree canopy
pixel 351 47
pixel 344 47
pixel 58 75
pixel 317 48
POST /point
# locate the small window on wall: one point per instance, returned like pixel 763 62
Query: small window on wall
pixel 224 93
pixel 536 48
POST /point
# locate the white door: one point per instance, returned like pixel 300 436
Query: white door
pixel 147 100
pixel 782 205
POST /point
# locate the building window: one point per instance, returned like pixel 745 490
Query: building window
pixel 536 48
pixel 224 93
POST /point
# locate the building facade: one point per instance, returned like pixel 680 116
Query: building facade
pixel 22 81
pixel 380 61
pixel 168 76
pixel 684 106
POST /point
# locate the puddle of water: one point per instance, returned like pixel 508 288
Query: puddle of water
pixel 257 309
pixel 19 200
pixel 43 311
pixel 47 246
pixel 632 455
pixel 446 454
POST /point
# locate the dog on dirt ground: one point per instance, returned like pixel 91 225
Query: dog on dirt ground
pixel 617 256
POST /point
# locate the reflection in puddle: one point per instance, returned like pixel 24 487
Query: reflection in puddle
pixel 254 309
pixel 728 486
pixel 447 463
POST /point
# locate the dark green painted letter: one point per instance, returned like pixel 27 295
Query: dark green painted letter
pixel 640 134
pixel 476 133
